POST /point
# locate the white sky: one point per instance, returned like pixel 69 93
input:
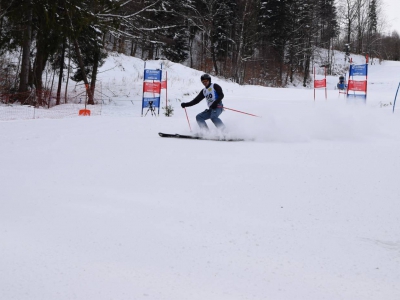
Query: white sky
pixel 391 10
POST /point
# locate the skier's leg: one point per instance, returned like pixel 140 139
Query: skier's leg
pixel 201 119
pixel 214 116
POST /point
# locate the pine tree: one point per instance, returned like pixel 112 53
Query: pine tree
pixel 245 37
pixel 89 20
pixel 276 25
pixel 222 29
pixel 16 30
pixel 175 35
pixel 328 21
pixel 372 27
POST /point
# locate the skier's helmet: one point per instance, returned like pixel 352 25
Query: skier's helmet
pixel 205 77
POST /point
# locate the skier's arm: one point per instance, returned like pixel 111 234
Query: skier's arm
pixel 220 94
pixel 196 100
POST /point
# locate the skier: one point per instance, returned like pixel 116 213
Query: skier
pixel 214 95
pixel 341 85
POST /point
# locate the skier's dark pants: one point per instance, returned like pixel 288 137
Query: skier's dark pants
pixel 212 114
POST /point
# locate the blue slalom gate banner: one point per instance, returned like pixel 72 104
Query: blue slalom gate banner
pixel 147 101
pixel 151 103
pixel 152 75
pixel 358 70
pixel 360 96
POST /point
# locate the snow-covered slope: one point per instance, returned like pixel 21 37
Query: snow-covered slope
pixel 307 208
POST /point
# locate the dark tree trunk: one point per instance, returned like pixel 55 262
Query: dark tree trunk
pixel 82 66
pixel 68 69
pixel 94 74
pixel 61 73
pixel 25 61
pixel 214 59
pixel 38 68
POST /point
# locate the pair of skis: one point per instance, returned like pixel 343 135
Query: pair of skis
pixel 197 137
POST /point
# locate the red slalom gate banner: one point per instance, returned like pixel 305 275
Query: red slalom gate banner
pixel 152 87
pixel 165 87
pixel 320 83
pixel 356 85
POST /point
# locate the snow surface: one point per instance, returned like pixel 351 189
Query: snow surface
pixel 308 207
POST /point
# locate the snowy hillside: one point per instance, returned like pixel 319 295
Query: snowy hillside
pixel 306 208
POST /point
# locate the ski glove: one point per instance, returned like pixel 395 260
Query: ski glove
pixel 215 105
pixel 183 105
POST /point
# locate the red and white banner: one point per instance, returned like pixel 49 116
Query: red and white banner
pixel 152 87
pixel 359 86
pixel 319 83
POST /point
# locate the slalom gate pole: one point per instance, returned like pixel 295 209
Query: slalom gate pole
pixel 190 127
pixel 242 112
pixel 314 83
pixel 394 103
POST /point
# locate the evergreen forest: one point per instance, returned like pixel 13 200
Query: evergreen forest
pixel 263 42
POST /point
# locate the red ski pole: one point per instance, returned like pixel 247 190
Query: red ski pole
pixel 242 112
pixel 187 119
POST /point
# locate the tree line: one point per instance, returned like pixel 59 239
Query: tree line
pixel 265 42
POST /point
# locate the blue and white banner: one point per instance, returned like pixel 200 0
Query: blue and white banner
pixel 152 75
pixel 154 101
pixel 361 96
pixel 358 70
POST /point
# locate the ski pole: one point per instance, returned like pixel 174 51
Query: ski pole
pixel 190 127
pixel 242 112
pixel 394 103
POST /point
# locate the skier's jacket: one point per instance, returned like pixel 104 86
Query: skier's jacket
pixel 213 94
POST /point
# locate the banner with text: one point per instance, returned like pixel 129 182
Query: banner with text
pixel 151 90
